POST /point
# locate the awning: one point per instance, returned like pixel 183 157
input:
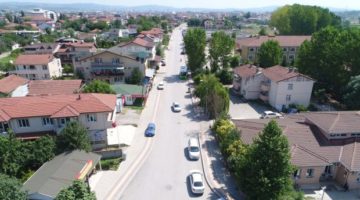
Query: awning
pixel 121 135
pixel 149 73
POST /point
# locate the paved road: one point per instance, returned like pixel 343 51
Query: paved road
pixel 164 173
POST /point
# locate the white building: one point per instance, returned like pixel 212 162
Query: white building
pixel 40 115
pixel 37 66
pixel 43 13
pixel 277 85
pixel 137 48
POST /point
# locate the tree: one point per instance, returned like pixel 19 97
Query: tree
pixel 330 58
pixel 234 61
pixel 136 77
pixel 10 188
pixel 12 158
pixel 77 191
pixel 40 151
pixel 116 24
pixel 270 54
pixel 221 46
pixel 194 22
pixel 269 151
pixel 214 97
pixel 73 136
pixel 68 68
pixel 195 43
pixel 159 50
pixel 302 20
pixel 262 31
pixel 352 93
pixel 247 15
pixel 98 86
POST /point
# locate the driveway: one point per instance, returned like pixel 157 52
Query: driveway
pixel 245 110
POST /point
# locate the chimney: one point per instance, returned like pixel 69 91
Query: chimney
pixel 79 97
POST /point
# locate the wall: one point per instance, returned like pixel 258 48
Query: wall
pixel 303 180
pixel 101 122
pixel 250 87
pixel 35 126
pixel 300 94
pixel 55 68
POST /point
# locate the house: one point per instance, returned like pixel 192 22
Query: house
pixel 249 47
pixel 208 24
pixel 10 84
pixel 140 49
pixel 70 52
pixel 31 117
pixel 60 173
pixel 41 48
pixel 156 32
pixel 37 66
pixel 324 146
pixel 47 26
pixel 279 86
pixel 116 33
pixel 109 66
pixel 129 93
pixel 86 36
pixel 132 29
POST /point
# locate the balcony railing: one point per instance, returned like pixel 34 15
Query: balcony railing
pixel 107 69
pixel 107 65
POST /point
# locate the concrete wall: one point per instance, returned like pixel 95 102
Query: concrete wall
pixel 54 69
pixel 300 94
pixel 303 179
pixel 250 87
pixel 36 125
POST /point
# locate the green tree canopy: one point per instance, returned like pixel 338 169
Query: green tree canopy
pixel 194 22
pixel 221 47
pixel 214 97
pixel 73 136
pixel 10 189
pixel 77 191
pixel 97 86
pixel 263 31
pixel 136 77
pixel 352 93
pixel 302 20
pixel 270 54
pixel 195 43
pixel 331 58
pixel 269 151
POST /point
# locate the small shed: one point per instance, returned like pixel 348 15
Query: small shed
pixel 129 93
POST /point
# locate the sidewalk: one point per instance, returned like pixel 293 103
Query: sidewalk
pixel 104 181
pixel 216 173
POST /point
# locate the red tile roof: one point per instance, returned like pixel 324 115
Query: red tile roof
pixel 66 111
pixel 279 73
pixel 308 146
pixel 153 31
pixel 247 70
pixel 284 41
pixel 140 42
pixel 19 107
pixel 53 87
pixel 10 83
pixel 33 59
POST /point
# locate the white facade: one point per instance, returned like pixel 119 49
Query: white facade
pixel 40 72
pixel 132 49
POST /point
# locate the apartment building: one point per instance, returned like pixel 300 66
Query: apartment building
pixel 249 47
pixel 279 86
pixel 37 66
pixel 31 117
pixel 109 66
pixel 324 146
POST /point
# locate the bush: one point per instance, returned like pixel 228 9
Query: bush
pixel 312 107
pixel 110 164
pixel 225 77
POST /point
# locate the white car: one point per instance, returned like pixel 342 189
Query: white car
pixel 270 114
pixel 176 107
pixel 194 149
pixel 160 86
pixel 197 182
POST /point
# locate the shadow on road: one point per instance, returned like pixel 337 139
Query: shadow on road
pixel 173 79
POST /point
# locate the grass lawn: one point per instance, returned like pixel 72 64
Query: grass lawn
pixel 110 164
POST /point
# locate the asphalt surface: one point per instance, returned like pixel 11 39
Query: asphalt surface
pixel 164 172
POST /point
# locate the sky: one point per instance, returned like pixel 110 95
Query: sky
pixel 344 4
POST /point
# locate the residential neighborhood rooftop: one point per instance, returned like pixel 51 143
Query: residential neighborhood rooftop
pixel 60 172
pixel 33 59
pixel 284 40
pixel 53 87
pixel 18 107
pixel 279 73
pixel 11 82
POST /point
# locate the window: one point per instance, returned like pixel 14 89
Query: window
pixel 91 117
pixel 292 49
pixel 47 121
pixel 64 120
pixel 32 67
pixel 309 173
pixel 290 86
pixel 23 123
pixel 343 135
pixel 3 126
pixel 250 57
pixel 116 60
pixel 284 49
pixel 251 49
pixel 44 67
pixel 288 97
pixel 291 57
pixel 24 67
pixel 46 76
pixel 297 173
pixel 98 60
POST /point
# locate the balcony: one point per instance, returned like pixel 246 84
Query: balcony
pixel 107 69
pixel 264 86
pixel 264 96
